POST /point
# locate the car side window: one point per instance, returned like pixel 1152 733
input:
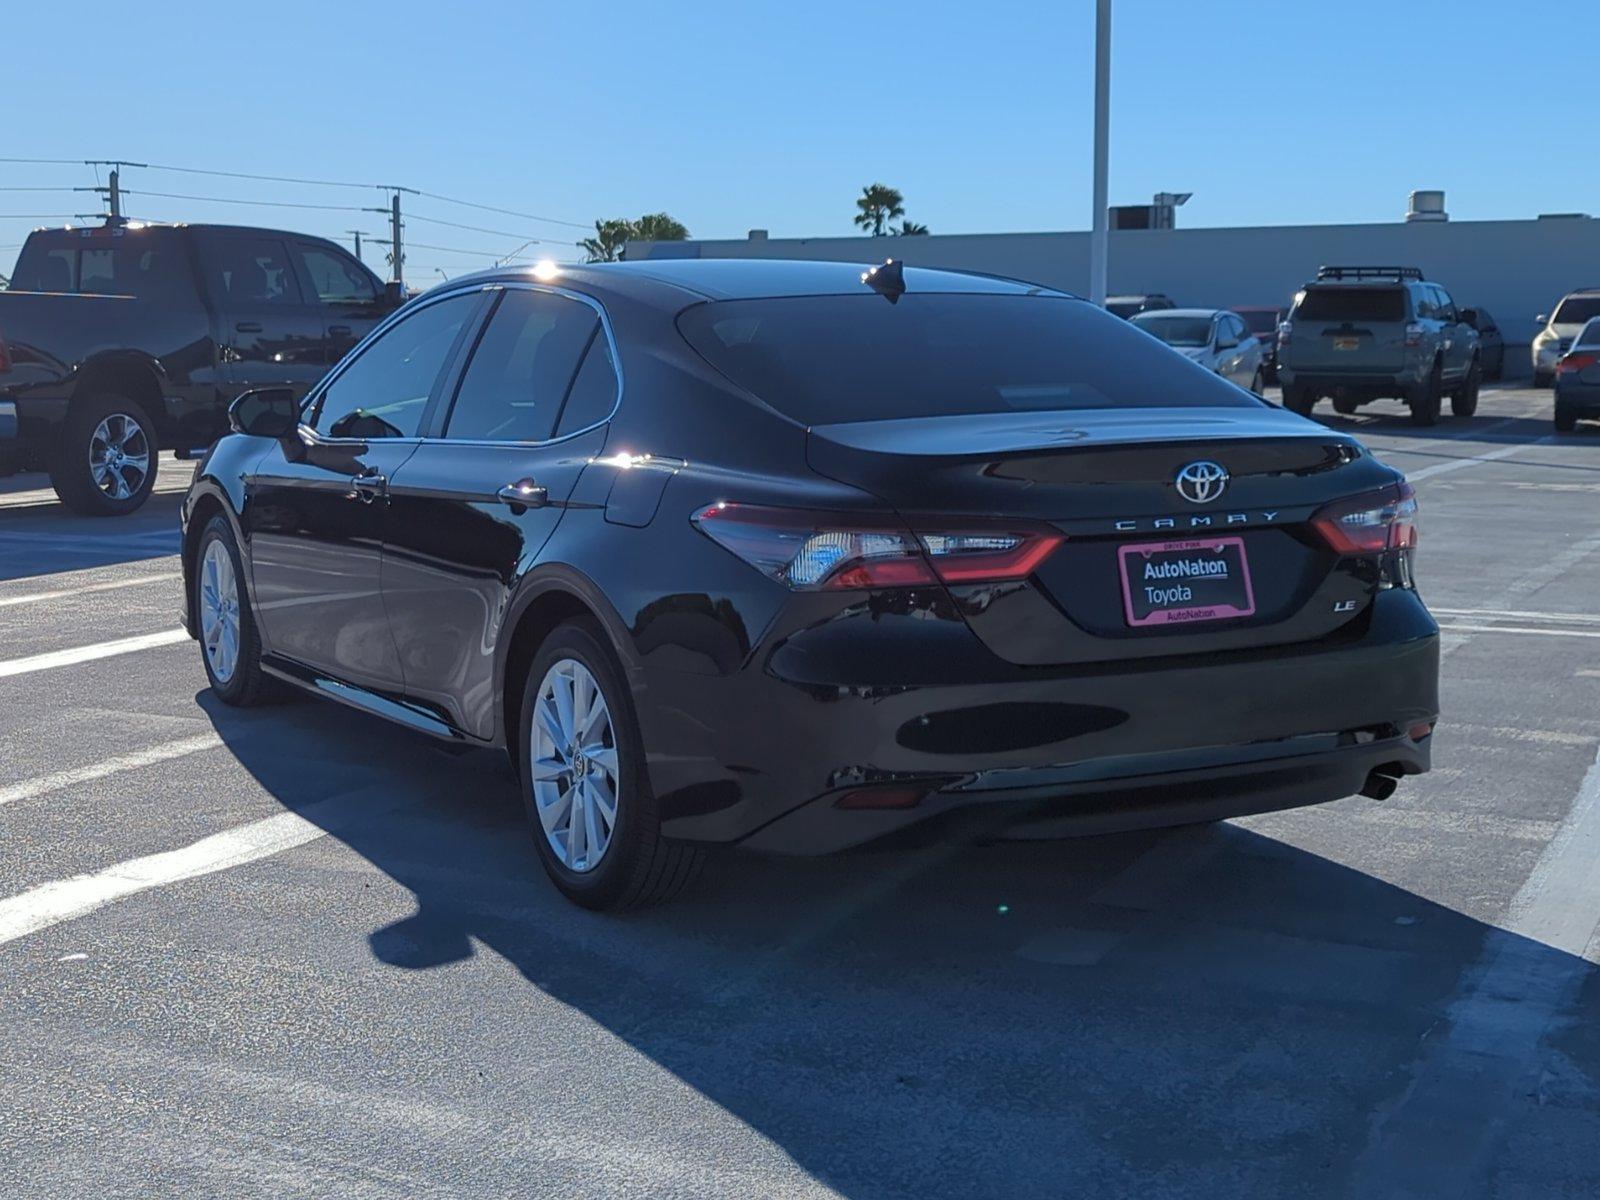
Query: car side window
pixel 594 391
pixel 522 367
pixel 336 279
pixel 1427 307
pixel 1485 321
pixel 1236 327
pixel 1447 306
pixel 384 392
pixel 251 272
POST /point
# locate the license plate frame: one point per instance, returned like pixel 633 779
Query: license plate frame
pixel 1206 602
pixel 1347 343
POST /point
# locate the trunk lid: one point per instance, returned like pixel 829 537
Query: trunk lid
pixel 1108 480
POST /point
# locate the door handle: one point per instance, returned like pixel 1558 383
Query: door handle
pixel 248 326
pixel 339 330
pixel 368 486
pixel 525 492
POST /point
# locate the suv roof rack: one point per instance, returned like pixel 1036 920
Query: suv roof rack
pixel 1369 272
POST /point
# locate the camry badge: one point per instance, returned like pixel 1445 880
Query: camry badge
pixel 1202 481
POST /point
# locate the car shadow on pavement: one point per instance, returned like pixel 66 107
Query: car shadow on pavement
pixel 47 538
pixel 1208 1012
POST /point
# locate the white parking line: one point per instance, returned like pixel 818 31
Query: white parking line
pixel 1457 464
pixel 80 654
pixel 65 593
pixel 1456 627
pixel 1517 614
pixel 67 899
pixel 58 781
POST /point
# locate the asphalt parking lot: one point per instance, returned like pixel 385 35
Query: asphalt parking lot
pixel 297 952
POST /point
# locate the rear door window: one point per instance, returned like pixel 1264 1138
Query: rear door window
pixel 251 272
pixel 825 359
pixel 522 368
pixel 594 391
pixel 1352 304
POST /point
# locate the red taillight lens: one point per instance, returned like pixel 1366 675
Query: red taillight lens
pixel 837 550
pixel 1413 335
pixel 1574 362
pixel 1372 522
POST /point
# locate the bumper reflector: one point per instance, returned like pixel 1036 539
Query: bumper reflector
pixel 882 797
pixel 1418 732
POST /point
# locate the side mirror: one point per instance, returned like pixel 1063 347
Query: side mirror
pixel 394 294
pixel 265 412
pixel 1543 319
pixel 1469 316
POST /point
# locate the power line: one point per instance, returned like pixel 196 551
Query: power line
pixel 458 225
pixel 241 200
pixel 37 217
pixel 37 189
pixel 505 211
pixel 277 178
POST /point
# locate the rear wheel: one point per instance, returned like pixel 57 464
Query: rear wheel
pixel 1299 400
pixel 1428 398
pixel 1464 400
pixel 595 821
pixel 105 462
pixel 1346 406
pixel 1542 379
pixel 1565 422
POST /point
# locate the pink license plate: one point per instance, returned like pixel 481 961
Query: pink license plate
pixel 1186 581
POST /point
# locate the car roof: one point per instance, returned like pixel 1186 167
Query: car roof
pixel 674 282
pixel 136 227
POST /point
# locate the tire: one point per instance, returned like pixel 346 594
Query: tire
pixel 1565 422
pixel 1346 406
pixel 1542 379
pixel 1464 400
pixel 635 865
pixel 222 616
pixel 1259 383
pixel 1428 398
pixel 1299 400
pixel 105 462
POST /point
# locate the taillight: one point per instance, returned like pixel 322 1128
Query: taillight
pixel 1285 332
pixel 1574 362
pixel 1414 334
pixel 1372 522
pixel 837 550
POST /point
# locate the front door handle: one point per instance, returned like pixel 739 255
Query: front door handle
pixel 339 330
pixel 248 326
pixel 368 487
pixel 525 492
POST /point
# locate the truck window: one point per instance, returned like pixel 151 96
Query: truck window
pixel 251 272
pixel 336 279
pixel 144 263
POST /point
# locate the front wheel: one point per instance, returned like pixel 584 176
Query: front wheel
pixel 595 821
pixel 105 462
pixel 1464 400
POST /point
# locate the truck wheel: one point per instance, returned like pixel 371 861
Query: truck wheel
pixel 1464 400
pixel 1427 399
pixel 1346 406
pixel 1299 400
pixel 105 462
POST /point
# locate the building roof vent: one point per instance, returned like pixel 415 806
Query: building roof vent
pixel 1427 206
pixel 758 235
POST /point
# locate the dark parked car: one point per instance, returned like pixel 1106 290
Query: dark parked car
pixel 740 551
pixel 1491 342
pixel 122 340
pixel 1578 379
pixel 1263 324
pixel 1128 307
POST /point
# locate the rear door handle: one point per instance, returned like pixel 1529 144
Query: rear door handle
pixel 339 330
pixel 368 487
pixel 248 326
pixel 524 492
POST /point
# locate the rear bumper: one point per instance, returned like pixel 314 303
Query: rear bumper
pixel 1578 399
pixel 752 757
pixel 1373 385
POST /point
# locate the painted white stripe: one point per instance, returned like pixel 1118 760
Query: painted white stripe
pixel 1437 1141
pixel 58 781
pixel 67 899
pixel 65 593
pixel 1455 627
pixel 80 654
pixel 1457 464
pixel 1516 614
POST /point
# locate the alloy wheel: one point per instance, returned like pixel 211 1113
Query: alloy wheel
pixel 219 611
pixel 573 749
pixel 119 456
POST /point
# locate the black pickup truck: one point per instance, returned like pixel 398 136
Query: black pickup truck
pixel 121 340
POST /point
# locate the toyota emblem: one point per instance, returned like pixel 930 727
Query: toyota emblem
pixel 1202 482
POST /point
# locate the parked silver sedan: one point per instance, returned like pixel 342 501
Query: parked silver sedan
pixel 1214 337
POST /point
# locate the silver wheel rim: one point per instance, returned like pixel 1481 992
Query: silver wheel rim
pixel 219 611
pixel 573 753
pixel 119 456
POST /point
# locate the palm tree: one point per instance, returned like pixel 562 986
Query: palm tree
pixel 608 241
pixel 879 204
pixel 909 229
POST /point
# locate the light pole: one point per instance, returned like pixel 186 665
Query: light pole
pixel 1099 236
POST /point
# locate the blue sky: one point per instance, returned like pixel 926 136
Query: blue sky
pixel 731 115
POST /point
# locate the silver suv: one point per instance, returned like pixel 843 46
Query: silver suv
pixel 1560 327
pixel 1366 333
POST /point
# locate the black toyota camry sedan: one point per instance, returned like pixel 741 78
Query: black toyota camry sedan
pixel 794 555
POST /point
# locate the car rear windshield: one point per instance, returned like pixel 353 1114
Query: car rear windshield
pixel 1260 320
pixel 1575 310
pixel 143 262
pixel 1176 331
pixel 1352 304
pixel 827 359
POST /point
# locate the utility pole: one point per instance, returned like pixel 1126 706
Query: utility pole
pixel 1099 237
pixel 358 234
pixel 112 191
pixel 396 252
